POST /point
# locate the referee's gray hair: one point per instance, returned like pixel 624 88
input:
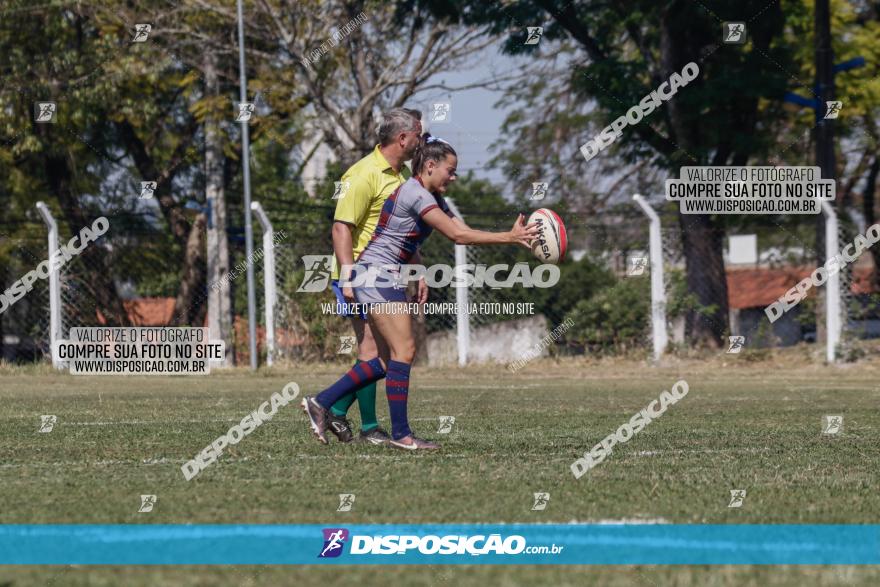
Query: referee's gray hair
pixel 396 121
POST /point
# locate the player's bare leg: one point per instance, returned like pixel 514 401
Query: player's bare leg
pixel 366 342
pixel 393 327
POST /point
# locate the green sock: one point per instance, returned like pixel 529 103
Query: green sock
pixel 366 397
pixel 340 408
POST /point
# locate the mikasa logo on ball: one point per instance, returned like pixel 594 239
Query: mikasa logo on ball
pixel 542 242
pixel 552 242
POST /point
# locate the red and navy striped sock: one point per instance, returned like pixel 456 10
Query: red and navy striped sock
pixel 397 390
pixel 360 375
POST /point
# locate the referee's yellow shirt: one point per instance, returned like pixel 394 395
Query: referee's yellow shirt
pixel 364 188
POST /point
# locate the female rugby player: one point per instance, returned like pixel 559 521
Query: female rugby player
pixel 409 215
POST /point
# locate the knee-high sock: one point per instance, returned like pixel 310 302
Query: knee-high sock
pixel 366 398
pixel 397 390
pixel 358 376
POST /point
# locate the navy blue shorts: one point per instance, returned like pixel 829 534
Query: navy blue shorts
pixel 340 299
pixel 377 292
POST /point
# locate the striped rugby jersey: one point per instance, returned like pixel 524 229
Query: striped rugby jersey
pixel 401 227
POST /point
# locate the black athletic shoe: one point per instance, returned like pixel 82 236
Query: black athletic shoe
pixel 318 417
pixel 339 426
pixel 415 444
pixel 374 436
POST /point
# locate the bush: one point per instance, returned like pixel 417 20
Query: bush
pixel 316 334
pixel 616 319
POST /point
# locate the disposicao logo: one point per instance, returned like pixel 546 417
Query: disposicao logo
pixel 451 544
pixel 334 540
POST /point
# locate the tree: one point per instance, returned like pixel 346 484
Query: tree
pixel 192 51
pixel 345 61
pixel 219 293
pixel 626 50
pixel 855 32
pixel 61 162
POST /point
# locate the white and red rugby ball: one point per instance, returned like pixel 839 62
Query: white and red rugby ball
pixel 552 241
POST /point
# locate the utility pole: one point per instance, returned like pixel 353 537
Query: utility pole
pixel 823 92
pixel 248 226
pixel 824 134
pixel 825 71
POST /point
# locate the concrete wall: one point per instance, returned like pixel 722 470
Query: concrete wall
pixel 501 342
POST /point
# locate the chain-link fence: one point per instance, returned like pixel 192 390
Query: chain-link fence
pixel 24 323
pixel 307 325
pixel 605 286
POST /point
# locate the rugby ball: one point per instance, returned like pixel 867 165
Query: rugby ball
pixel 552 242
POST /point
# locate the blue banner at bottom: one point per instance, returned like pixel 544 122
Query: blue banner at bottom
pixel 493 544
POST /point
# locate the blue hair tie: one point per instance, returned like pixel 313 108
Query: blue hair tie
pixel 435 139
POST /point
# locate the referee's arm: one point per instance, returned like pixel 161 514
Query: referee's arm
pixel 343 248
pixel 351 210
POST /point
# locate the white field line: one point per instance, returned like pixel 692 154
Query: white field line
pixel 115 422
pixel 229 420
pixel 391 454
pixel 467 385
pixel 622 521
pixel 679 451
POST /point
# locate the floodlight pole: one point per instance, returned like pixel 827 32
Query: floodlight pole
pixel 658 291
pixel 248 227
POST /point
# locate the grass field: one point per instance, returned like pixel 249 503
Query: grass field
pixel 749 422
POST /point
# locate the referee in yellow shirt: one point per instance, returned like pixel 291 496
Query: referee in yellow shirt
pixel 363 190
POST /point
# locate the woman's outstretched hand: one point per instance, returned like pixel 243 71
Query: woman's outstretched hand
pixel 522 233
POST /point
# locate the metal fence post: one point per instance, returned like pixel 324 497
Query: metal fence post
pixel 833 323
pixel 658 291
pixel 462 317
pixel 268 279
pixel 54 285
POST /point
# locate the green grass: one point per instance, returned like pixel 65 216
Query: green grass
pixel 745 424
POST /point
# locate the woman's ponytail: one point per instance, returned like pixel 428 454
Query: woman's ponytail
pixel 430 149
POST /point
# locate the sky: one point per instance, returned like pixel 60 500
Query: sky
pixel 474 120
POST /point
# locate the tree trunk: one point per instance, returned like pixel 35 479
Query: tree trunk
pixel 219 289
pixel 147 166
pixel 189 306
pixel 706 279
pixel 701 237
